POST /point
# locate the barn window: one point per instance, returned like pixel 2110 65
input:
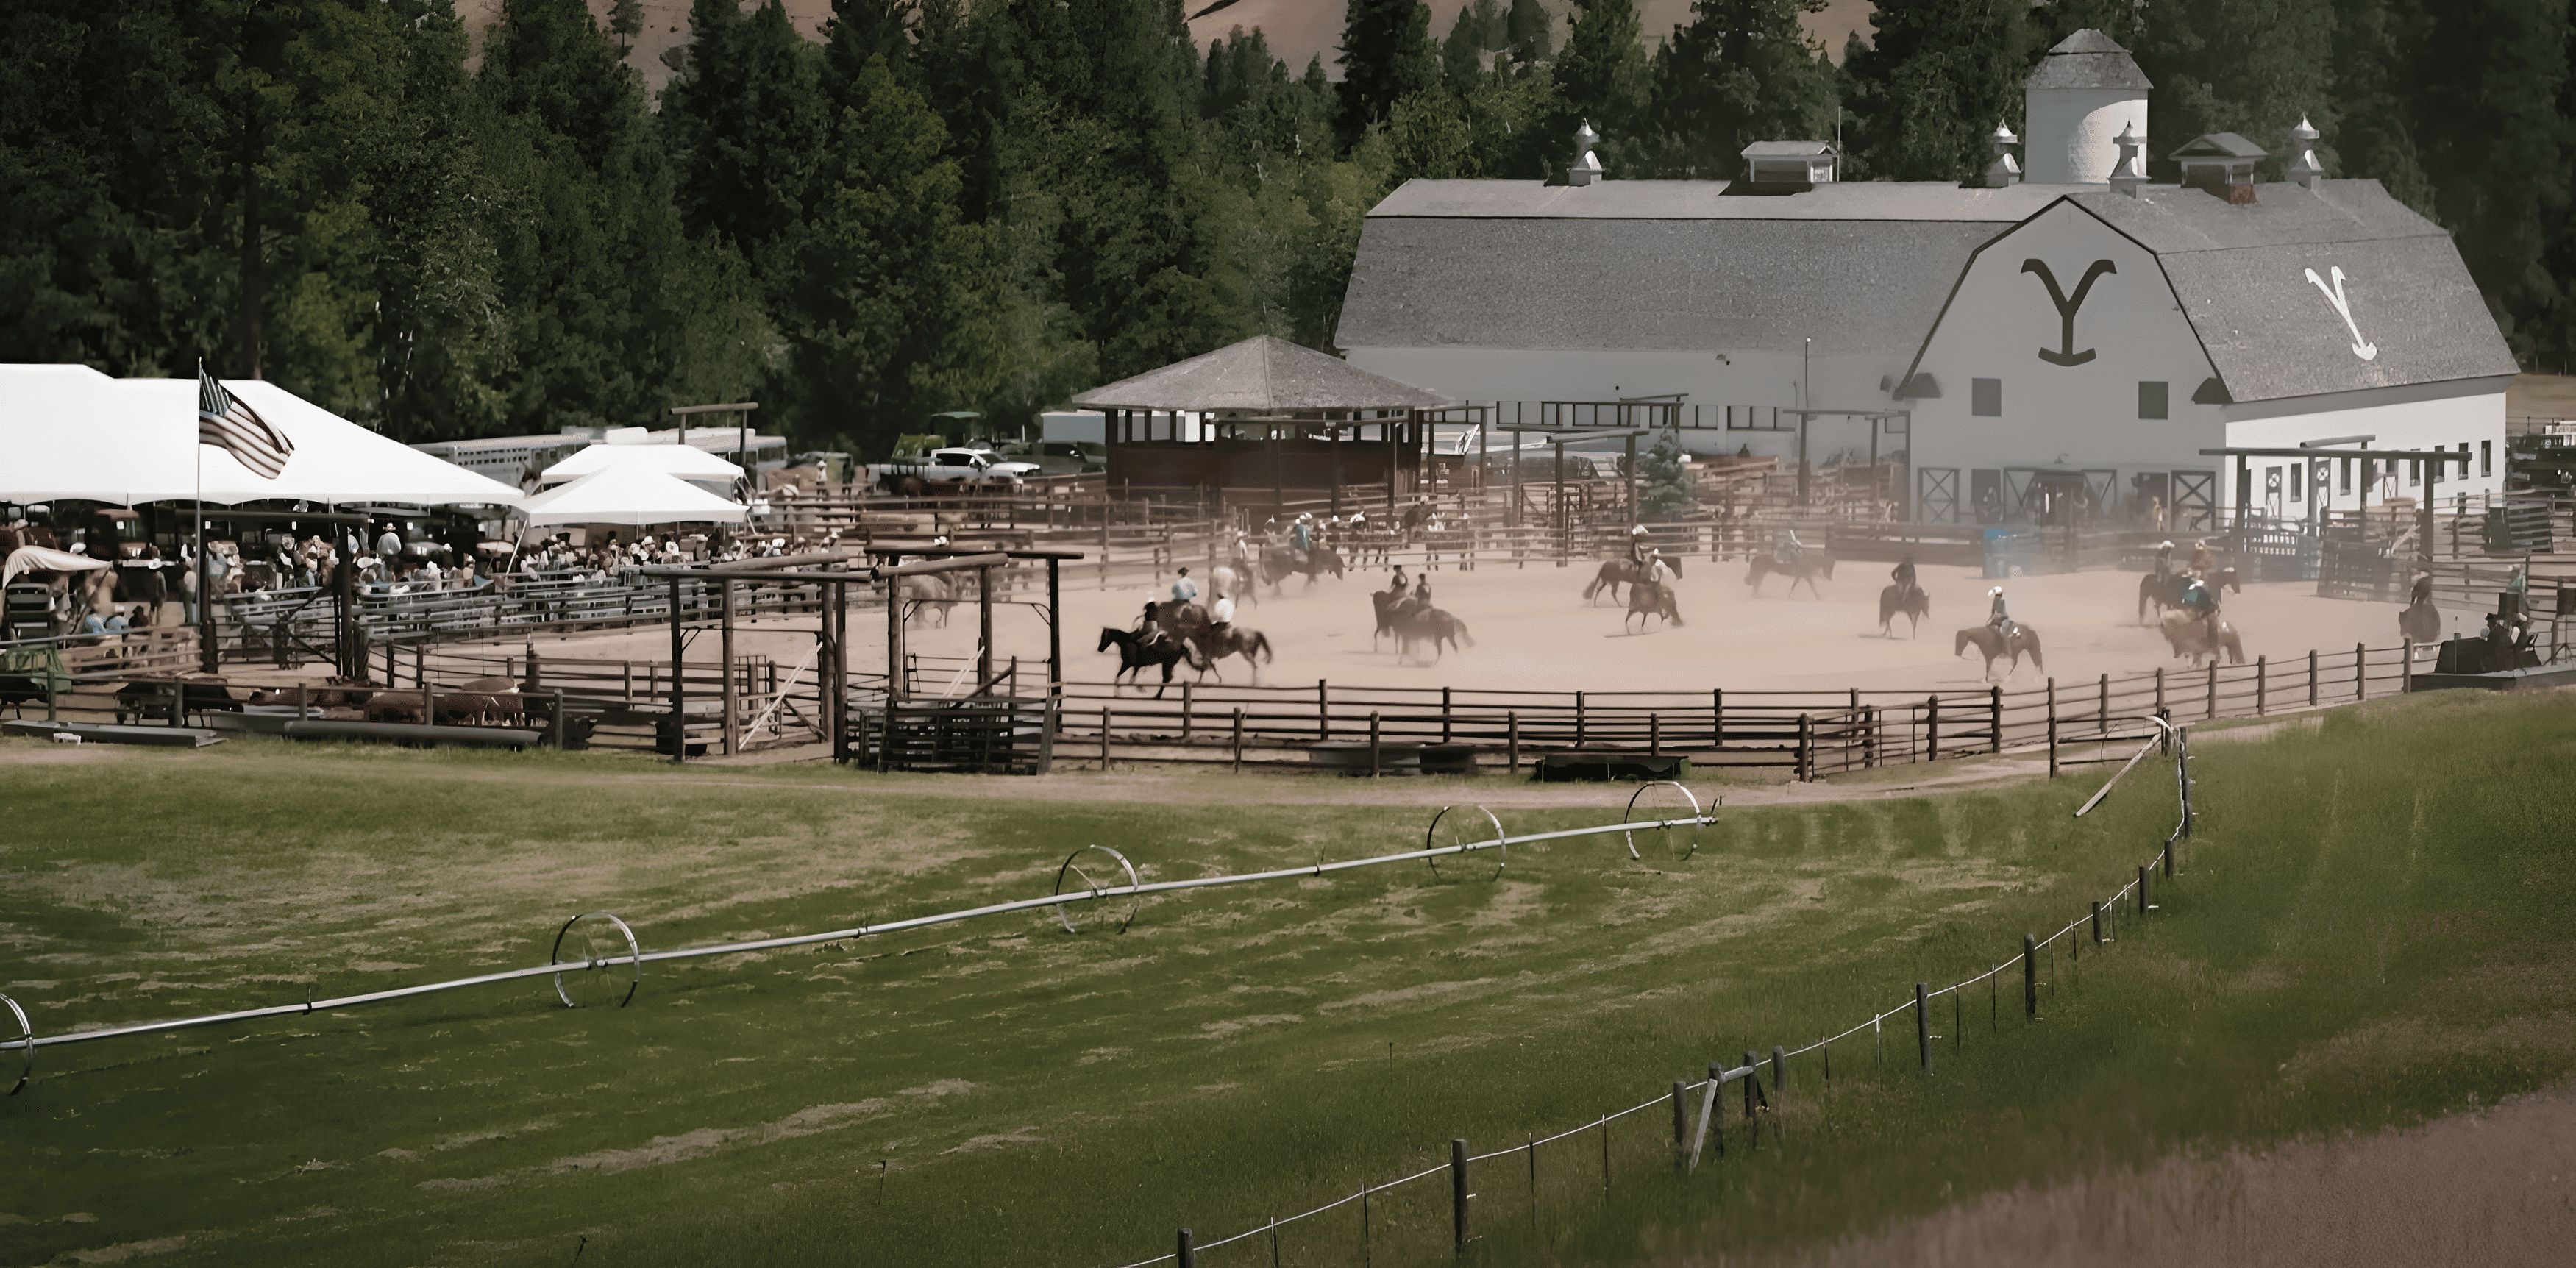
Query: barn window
pixel 2486 457
pixel 2414 472
pixel 2298 482
pixel 1986 398
pixel 2151 400
pixel 2345 476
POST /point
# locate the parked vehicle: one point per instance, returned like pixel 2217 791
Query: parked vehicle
pixel 951 468
pixel 1060 457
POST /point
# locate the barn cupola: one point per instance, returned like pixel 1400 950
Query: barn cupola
pixel 1789 164
pixel 1586 167
pixel 2086 92
pixel 2004 170
pixel 2303 168
pixel 2221 163
pixel 2129 170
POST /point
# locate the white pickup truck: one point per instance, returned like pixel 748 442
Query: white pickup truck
pixel 949 468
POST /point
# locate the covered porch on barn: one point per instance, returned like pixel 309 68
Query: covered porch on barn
pixel 1261 423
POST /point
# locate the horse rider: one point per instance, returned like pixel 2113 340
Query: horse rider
pixel 1903 576
pixel 2201 600
pixel 2512 603
pixel 1997 619
pixel 1638 549
pixel 2164 559
pixel 1658 573
pixel 1301 535
pixel 1786 550
pixel 2422 593
pixel 1422 590
pixel 1184 590
pixel 1220 616
pixel 1398 586
pixel 1149 626
pixel 2204 561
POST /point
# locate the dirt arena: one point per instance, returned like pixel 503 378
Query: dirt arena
pixel 1533 631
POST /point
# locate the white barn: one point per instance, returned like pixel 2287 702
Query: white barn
pixel 2081 334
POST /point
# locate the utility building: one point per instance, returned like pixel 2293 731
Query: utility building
pixel 2027 349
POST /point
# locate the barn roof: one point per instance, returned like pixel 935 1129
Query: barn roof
pixel 1666 265
pixel 1263 375
pixel 2241 272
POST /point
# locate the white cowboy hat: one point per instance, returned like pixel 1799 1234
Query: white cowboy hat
pixel 1996 591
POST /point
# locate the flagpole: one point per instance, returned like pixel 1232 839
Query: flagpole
pixel 205 596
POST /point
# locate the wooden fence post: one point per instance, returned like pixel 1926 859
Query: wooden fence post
pixel 1238 738
pixel 2210 693
pixel 1458 1195
pixel 1995 716
pixel 2142 889
pixel 1187 714
pixel 2029 978
pixel 1681 1130
pixel 1578 719
pixel 1932 727
pixel 1104 737
pixel 2102 707
pixel 1377 762
pixel 1512 737
pixel 1444 715
pixel 2160 689
pixel 2261 675
pixel 1803 770
pixel 1323 710
pixel 1655 734
pixel 1186 1254
pixel 1923 1027
pixel 2360 672
pixel 2406 667
pixel 2052 728
pixel 1717 717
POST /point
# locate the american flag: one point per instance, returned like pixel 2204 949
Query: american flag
pixel 233 426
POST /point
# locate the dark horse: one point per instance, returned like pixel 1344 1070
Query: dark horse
pixel 2166 592
pixel 1277 565
pixel 1986 639
pixel 1620 572
pixel 1135 653
pixel 1813 564
pixel 1645 599
pixel 1909 602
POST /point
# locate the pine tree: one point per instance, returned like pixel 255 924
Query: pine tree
pixel 1387 55
pixel 744 123
pixel 626 21
pixel 1667 494
pixel 1739 71
pixel 1528 28
pixel 2247 66
pixel 1603 79
pixel 1925 94
pixel 862 30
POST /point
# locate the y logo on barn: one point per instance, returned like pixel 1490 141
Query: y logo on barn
pixel 2066 307
pixel 2361 347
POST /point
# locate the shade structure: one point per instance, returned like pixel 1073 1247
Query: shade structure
pixel 27 559
pixel 1261 376
pixel 631 497
pixel 70 432
pixel 687 462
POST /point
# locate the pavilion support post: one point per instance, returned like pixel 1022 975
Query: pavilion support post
pixel 1278 495
pixel 732 699
pixel 1392 463
pixel 1560 514
pixel 1055 634
pixel 679 680
pixel 1634 517
pixel 1333 453
pixel 984 629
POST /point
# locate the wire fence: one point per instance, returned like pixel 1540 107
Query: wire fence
pixel 1694 1132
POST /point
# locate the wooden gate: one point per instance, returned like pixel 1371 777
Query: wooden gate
pixel 1937 495
pixel 2195 501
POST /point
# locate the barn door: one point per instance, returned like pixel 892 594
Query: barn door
pixel 1937 494
pixel 2102 493
pixel 2195 501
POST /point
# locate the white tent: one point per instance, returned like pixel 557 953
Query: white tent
pixel 687 462
pixel 629 496
pixel 67 431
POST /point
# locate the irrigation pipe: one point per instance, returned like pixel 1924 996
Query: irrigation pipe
pixel 638 958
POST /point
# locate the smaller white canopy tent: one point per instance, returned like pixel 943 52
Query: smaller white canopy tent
pixel 687 462
pixel 41 559
pixel 632 497
pixel 67 431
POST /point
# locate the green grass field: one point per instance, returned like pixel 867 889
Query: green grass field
pixel 2370 927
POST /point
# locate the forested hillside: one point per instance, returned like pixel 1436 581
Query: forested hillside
pixel 943 206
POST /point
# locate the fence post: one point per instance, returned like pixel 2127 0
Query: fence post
pixel 1717 717
pixel 2160 689
pixel 2097 922
pixel 2142 889
pixel 2052 728
pixel 1444 715
pixel 2029 978
pixel 1995 715
pixel 1104 736
pixel 1323 710
pixel 1578 719
pixel 1713 1122
pixel 1458 1193
pixel 1806 755
pixel 2312 677
pixel 2406 668
pixel 2360 672
pixel 2261 666
pixel 1869 737
pixel 1187 714
pixel 1923 1027
pixel 1932 727
pixel 1186 1255
pixel 2210 693
pixel 1655 734
pixel 1238 738
pixel 562 733
pixel 1681 1130
pixel 1377 762
pixel 1512 737
pixel 1752 1090
pixel 1779 1068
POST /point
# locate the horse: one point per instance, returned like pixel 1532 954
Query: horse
pixel 2166 592
pixel 1646 598
pixel 1909 602
pixel 1277 565
pixel 1135 653
pixel 1392 607
pixel 2189 637
pixel 1420 623
pixel 926 590
pixel 1237 640
pixel 2420 622
pixel 1621 572
pixel 1811 565
pixel 1986 639
pixel 1177 619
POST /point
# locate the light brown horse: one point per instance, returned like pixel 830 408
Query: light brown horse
pixel 1646 599
pixel 1811 565
pixel 2189 637
pixel 2166 592
pixel 1213 645
pixel 1986 639
pixel 1421 624
pixel 1620 572
pixel 1909 602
